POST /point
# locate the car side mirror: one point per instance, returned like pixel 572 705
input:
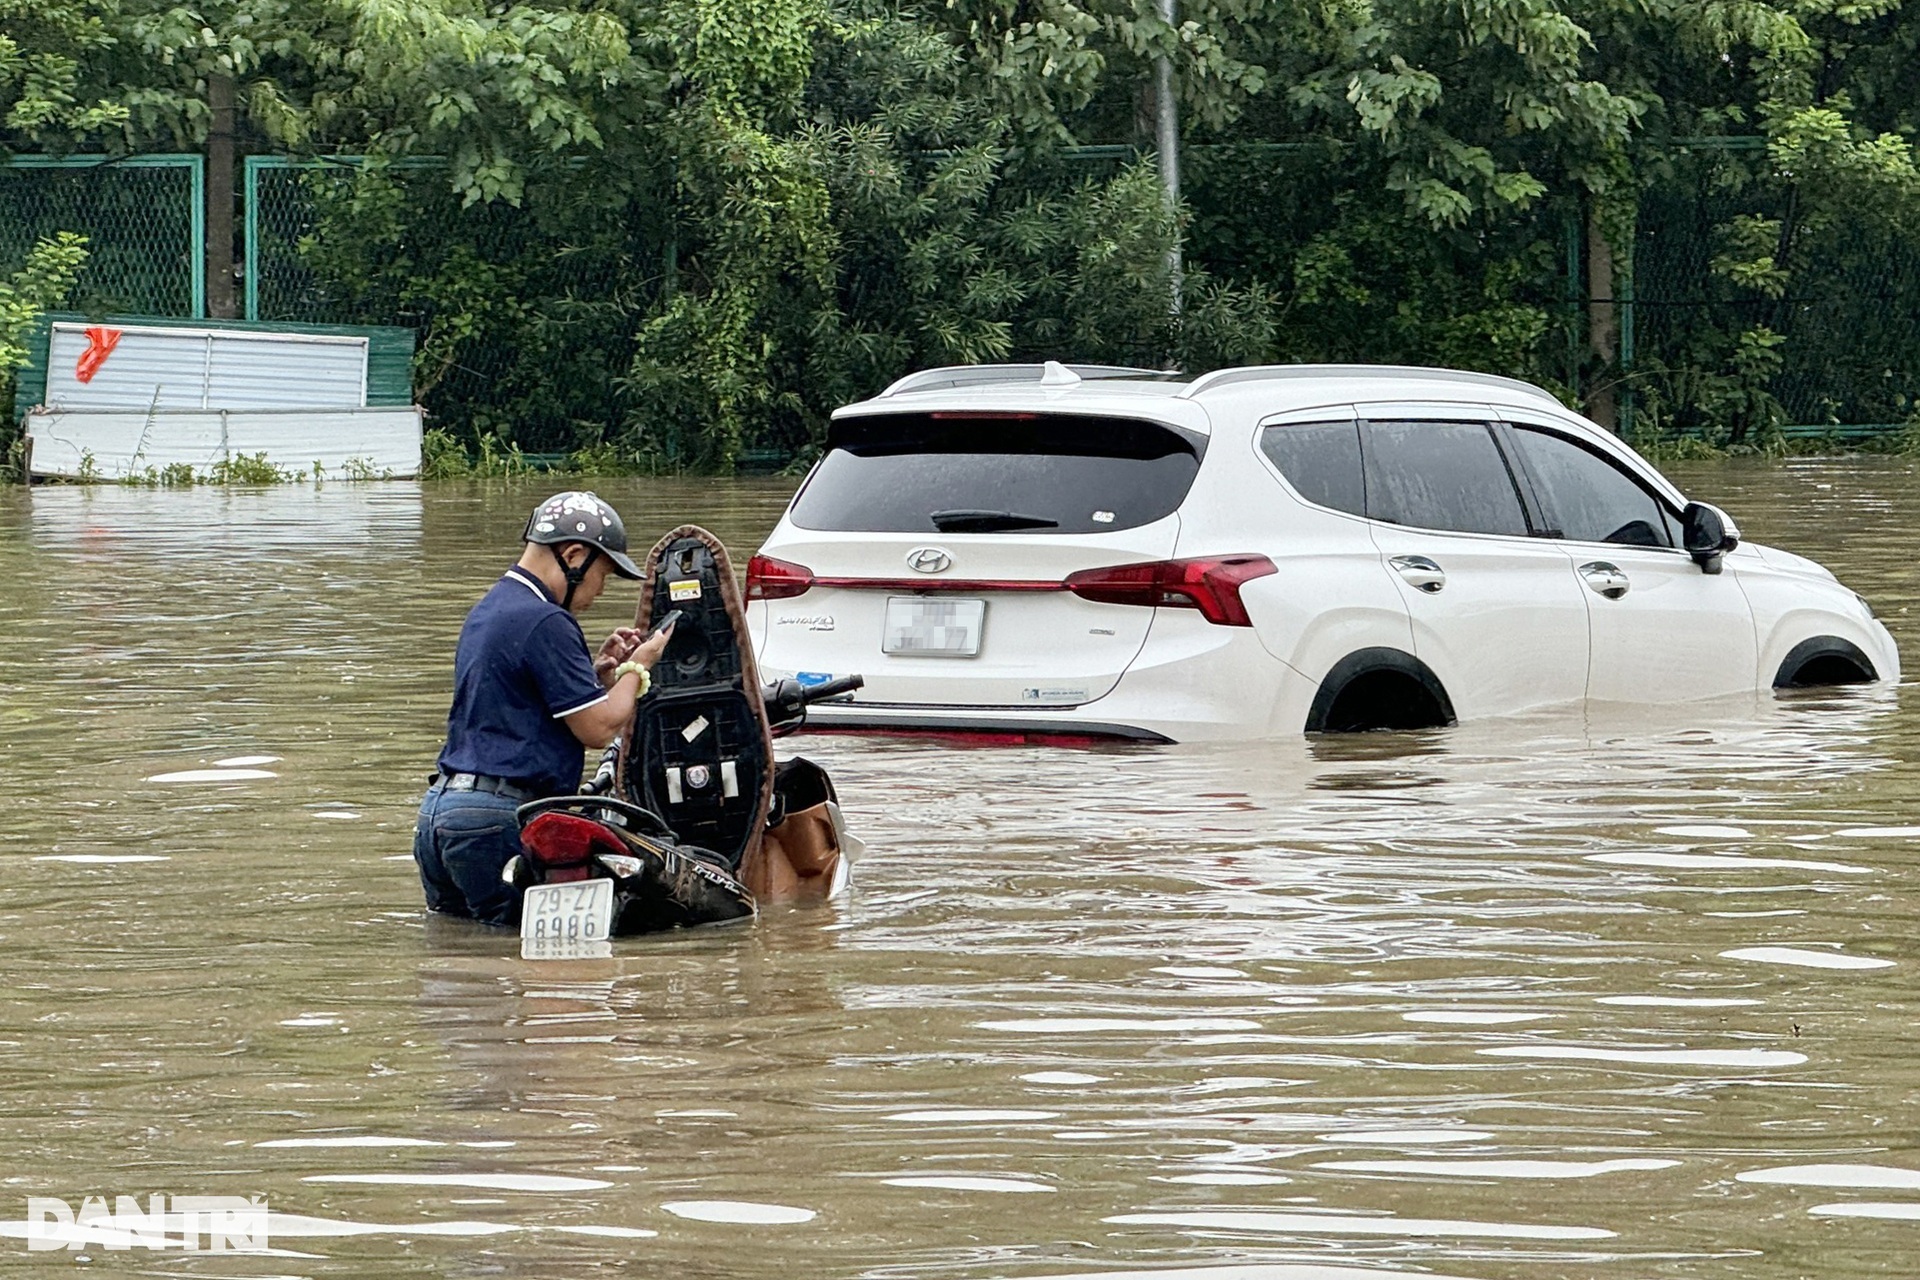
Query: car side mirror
pixel 1708 534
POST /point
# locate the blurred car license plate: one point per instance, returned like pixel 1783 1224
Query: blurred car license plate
pixel 559 915
pixel 923 627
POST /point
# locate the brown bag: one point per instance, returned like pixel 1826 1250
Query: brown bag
pixel 800 856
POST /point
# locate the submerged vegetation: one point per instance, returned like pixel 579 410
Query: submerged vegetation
pixel 237 471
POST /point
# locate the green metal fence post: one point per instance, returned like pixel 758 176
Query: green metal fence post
pixel 250 248
pixel 198 237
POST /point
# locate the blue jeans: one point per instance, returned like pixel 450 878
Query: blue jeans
pixel 461 843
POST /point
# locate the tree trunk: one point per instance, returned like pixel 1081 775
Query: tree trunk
pixel 220 303
pixel 1603 326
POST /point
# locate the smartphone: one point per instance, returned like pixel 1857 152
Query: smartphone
pixel 666 622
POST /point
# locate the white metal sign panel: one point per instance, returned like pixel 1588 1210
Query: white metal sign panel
pixel 186 368
pixel 113 444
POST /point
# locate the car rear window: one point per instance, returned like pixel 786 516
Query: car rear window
pixel 977 473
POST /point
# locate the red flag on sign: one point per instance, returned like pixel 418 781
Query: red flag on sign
pixel 100 344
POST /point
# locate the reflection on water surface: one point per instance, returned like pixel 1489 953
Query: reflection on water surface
pixel 1620 992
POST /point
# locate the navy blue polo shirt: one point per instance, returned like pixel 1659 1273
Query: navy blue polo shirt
pixel 522 667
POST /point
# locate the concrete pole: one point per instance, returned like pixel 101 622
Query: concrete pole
pixel 1167 142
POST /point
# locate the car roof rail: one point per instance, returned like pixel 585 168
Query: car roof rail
pixel 1384 372
pixel 979 375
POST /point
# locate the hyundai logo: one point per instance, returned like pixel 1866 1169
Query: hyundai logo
pixel 929 560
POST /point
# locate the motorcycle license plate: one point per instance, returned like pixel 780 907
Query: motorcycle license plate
pixel 938 627
pixel 567 921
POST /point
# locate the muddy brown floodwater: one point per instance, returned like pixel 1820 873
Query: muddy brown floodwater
pixel 1603 994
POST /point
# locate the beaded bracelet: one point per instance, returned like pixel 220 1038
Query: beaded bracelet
pixel 635 668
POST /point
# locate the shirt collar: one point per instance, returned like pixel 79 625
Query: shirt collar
pixel 531 583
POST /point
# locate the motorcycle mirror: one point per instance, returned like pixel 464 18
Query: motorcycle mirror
pixel 1708 533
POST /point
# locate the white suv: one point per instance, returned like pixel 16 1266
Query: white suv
pixel 1041 550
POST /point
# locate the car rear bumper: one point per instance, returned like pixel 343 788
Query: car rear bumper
pixel 985 724
pixel 1193 682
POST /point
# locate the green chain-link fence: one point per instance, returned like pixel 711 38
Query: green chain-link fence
pixel 528 313
pixel 1362 280
pixel 1739 317
pixel 1748 317
pixel 142 217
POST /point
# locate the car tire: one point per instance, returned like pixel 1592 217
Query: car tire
pixel 1823 661
pixel 1379 689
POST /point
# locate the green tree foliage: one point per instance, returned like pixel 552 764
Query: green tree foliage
pixel 676 232
pixel 39 286
pixel 44 47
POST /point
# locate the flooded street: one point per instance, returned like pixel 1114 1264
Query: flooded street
pixel 1616 993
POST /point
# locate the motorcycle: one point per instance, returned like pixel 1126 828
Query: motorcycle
pixel 652 880
pixel 688 820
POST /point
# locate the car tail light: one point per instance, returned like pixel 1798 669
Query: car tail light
pixel 771 579
pixel 1210 584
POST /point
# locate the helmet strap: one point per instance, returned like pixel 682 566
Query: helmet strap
pixel 575 574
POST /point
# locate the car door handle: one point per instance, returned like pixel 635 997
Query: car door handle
pixel 1421 573
pixel 1605 578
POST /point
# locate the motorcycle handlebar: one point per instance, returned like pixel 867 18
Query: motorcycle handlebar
pixel 602 781
pixel 833 689
pixel 787 700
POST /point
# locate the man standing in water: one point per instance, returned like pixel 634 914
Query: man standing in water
pixel 528 699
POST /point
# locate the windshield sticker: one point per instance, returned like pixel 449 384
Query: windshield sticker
pixel 1103 517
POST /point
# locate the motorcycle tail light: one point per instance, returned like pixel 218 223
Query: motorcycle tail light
pixel 564 845
pixel 771 579
pixel 1210 584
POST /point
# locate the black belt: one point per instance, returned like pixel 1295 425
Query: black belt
pixel 502 787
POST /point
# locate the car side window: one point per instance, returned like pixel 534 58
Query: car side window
pixel 1440 475
pixel 1589 499
pixel 1321 460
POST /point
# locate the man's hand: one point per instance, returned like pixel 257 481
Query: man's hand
pixel 597 725
pixel 616 649
pixel 648 651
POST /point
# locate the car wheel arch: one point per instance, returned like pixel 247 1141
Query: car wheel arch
pixel 1822 661
pixel 1379 688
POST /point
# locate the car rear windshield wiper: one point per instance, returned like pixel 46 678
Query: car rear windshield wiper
pixel 968 520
